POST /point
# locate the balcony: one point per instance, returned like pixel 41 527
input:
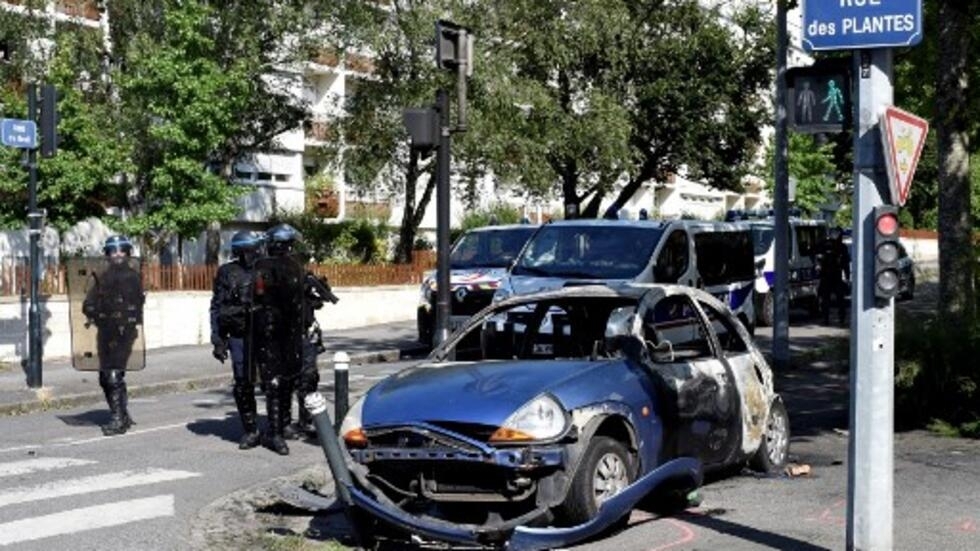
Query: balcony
pixel 320 132
pixel 85 9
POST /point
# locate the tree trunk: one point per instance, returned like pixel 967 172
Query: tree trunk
pixel 412 214
pixel 956 292
pixel 212 244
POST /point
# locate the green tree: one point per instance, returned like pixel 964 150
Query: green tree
pixel 202 85
pixel 80 180
pixel 614 94
pixel 812 166
pixel 373 147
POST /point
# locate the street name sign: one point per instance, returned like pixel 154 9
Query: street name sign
pixel 18 133
pixel 902 135
pixel 854 24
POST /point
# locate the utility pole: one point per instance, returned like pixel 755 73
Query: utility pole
pixel 780 328
pixel 870 465
pixel 34 231
pixel 442 218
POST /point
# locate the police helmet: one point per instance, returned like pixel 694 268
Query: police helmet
pixel 118 243
pixel 281 238
pixel 246 242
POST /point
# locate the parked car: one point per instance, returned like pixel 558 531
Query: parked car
pixel 478 261
pixel 591 399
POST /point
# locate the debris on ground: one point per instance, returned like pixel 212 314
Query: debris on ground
pixel 797 469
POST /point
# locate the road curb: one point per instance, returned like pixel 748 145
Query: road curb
pixel 45 402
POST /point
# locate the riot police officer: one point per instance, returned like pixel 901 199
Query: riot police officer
pixel 114 304
pixel 231 304
pixel 834 262
pixel 278 328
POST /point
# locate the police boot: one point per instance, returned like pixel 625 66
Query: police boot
pixel 117 421
pixel 245 403
pixel 124 410
pixel 273 436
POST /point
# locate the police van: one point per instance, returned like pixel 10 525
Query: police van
pixel 805 237
pixel 715 256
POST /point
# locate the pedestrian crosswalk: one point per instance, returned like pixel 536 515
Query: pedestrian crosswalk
pixel 43 484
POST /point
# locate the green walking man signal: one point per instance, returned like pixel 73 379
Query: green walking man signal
pixel 819 97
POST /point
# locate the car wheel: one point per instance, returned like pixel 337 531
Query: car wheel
pixel 773 452
pixel 607 468
pixel 766 312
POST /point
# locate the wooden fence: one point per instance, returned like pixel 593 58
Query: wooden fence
pixel 15 275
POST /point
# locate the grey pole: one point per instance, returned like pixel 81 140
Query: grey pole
pixel 34 225
pixel 870 461
pixel 780 329
pixel 442 219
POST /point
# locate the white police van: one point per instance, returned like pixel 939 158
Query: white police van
pixel 805 236
pixel 714 256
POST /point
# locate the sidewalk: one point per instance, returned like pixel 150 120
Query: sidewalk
pixel 187 368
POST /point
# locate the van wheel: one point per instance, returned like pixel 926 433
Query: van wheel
pixel 766 312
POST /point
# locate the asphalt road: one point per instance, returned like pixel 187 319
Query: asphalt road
pixel 65 486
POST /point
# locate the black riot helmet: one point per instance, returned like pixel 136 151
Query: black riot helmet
pixel 281 239
pixel 245 246
pixel 117 244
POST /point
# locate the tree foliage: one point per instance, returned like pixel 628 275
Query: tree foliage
pixel 812 166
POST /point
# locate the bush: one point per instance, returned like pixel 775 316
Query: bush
pixel 356 240
pixel 936 375
pixel 498 214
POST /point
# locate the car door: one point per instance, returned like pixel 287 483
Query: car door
pixel 699 403
pixel 744 373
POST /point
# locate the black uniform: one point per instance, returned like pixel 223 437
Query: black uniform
pixel 231 305
pixel 115 305
pixel 835 270
pixel 316 292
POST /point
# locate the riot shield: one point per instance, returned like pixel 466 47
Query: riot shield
pixel 105 312
pixel 278 313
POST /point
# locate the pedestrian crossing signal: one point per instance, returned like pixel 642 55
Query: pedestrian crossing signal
pixel 819 97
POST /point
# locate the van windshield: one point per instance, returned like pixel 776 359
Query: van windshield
pixel 589 251
pixel 489 248
pixel 761 239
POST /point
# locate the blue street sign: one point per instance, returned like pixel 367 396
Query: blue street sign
pixel 18 133
pixel 853 24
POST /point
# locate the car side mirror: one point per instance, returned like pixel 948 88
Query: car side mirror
pixel 663 352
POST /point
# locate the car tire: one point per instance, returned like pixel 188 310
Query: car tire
pixel 605 470
pixel 773 452
pixel 766 311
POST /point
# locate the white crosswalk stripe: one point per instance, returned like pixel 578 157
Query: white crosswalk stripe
pixel 81 519
pixel 16 468
pixel 84 485
pixel 86 518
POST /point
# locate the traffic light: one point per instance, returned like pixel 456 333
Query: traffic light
pixel 819 97
pixel 49 120
pixel 886 252
pixel 454 47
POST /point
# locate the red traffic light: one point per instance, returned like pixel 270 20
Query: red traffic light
pixel 887 224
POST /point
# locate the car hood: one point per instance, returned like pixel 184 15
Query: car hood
pixel 486 393
pixel 524 285
pixel 470 277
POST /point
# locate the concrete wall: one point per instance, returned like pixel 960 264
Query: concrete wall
pixel 181 318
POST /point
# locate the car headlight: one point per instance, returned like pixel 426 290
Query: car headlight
pixel 540 419
pixel 351 430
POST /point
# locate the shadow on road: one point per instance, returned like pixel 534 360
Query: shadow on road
pixel 747 533
pixel 229 428
pixel 86 419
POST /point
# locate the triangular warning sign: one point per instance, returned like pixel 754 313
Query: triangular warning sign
pixel 903 135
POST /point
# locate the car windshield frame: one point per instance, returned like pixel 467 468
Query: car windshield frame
pixel 598 252
pixel 492 248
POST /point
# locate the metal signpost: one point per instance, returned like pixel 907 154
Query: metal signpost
pixel 870 28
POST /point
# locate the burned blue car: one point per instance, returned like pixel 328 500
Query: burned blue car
pixel 548 417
